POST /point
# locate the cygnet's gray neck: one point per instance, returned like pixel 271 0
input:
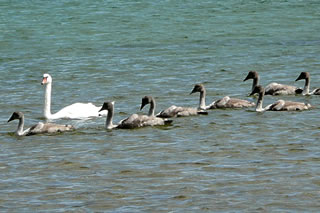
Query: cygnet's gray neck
pixel 306 87
pixel 152 108
pixel 109 124
pixel 255 83
pixel 202 102
pixel 259 106
pixel 20 126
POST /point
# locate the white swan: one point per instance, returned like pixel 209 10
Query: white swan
pixel 306 89
pixel 135 120
pixel 73 111
pixel 279 105
pixel 223 103
pixel 273 88
pixel 38 128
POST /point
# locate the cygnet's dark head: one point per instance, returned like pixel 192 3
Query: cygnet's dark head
pixel 108 105
pixel 303 75
pixel 15 115
pixel 197 88
pixel 251 75
pixel 258 89
pixel 145 100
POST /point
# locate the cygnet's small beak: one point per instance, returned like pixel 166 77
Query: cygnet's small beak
pixel 193 91
pixel 142 105
pixel 247 78
pixel 299 78
pixel 103 107
pixel 11 118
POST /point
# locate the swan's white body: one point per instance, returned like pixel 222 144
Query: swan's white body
pixel 73 111
pixel 39 128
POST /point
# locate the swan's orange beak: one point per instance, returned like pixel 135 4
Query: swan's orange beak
pixel 44 81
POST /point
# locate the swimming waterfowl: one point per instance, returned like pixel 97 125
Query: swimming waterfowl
pixel 39 128
pixel 175 111
pixel 306 89
pixel 135 120
pixel 223 103
pixel 73 111
pixel 273 88
pixel 279 105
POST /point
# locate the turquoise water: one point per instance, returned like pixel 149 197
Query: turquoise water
pixel 228 161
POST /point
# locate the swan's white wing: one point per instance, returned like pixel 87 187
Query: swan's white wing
pixel 79 111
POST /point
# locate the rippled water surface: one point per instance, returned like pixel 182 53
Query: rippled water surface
pixel 227 161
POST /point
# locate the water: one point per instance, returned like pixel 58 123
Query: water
pixel 228 161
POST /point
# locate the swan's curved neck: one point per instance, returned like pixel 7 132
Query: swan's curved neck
pixel 109 124
pixel 259 107
pixel 255 83
pixel 20 126
pixel 202 102
pixel 152 108
pixel 306 87
pixel 47 100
